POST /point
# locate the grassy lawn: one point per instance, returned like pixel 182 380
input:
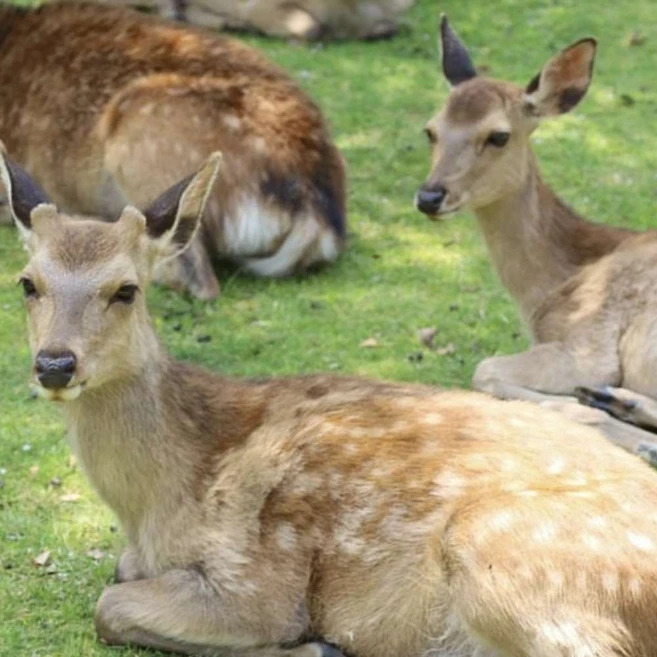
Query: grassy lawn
pixel 401 273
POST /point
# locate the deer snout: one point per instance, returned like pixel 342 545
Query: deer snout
pixel 55 369
pixel 430 200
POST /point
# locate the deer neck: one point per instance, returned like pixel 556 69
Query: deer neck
pixel 117 433
pixel 536 242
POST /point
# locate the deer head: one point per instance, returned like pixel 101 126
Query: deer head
pixel 85 281
pixel 480 140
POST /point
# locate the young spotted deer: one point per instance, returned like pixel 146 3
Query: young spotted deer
pixel 105 106
pixel 587 292
pixel 386 520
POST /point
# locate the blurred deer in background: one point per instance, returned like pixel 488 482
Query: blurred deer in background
pixel 105 106
pixel 299 19
pixel 587 292
pixel 386 520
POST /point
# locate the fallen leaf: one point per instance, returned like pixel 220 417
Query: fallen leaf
pixel 446 350
pixel 51 569
pixel 369 343
pixel 34 470
pixel 426 336
pixel 70 497
pixel 96 554
pixel 42 559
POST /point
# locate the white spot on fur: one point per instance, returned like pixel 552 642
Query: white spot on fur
pixel 433 419
pixel 598 522
pixel 641 542
pixel 307 483
pixel 501 520
pixel 286 537
pixel 449 484
pixel 509 464
pixel 259 145
pixel 592 542
pixel 557 466
pixel 610 581
pixel 544 533
pixel 566 639
pixel 357 432
pixel 585 494
pixel 232 122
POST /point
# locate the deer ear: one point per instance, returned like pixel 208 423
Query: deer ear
pixel 562 82
pixel 23 193
pixel 173 219
pixel 457 65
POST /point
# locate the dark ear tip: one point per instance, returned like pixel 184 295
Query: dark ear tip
pixel 590 41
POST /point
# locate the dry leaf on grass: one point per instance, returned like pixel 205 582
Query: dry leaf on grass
pixel 369 343
pixel 42 559
pixel 446 350
pixel 426 336
pixel 70 497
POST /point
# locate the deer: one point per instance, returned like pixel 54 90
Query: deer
pixel 319 516
pixel 113 107
pixel 585 291
pixel 305 20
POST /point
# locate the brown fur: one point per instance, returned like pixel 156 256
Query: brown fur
pixel 111 107
pixel 585 290
pixel 391 520
pixel 298 19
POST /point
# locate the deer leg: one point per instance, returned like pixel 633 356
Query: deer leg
pixel 623 404
pixel 549 375
pixel 128 568
pixel 183 611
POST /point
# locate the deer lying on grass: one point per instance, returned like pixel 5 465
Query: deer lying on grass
pixel 386 520
pixel 105 106
pixel 300 19
pixel 587 292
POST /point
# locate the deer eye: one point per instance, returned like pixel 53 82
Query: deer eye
pixel 29 289
pixel 125 294
pixel 498 138
pixel 431 135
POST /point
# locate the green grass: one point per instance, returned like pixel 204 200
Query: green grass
pixel 401 273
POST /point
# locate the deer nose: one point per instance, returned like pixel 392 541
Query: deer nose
pixel 430 200
pixel 55 369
